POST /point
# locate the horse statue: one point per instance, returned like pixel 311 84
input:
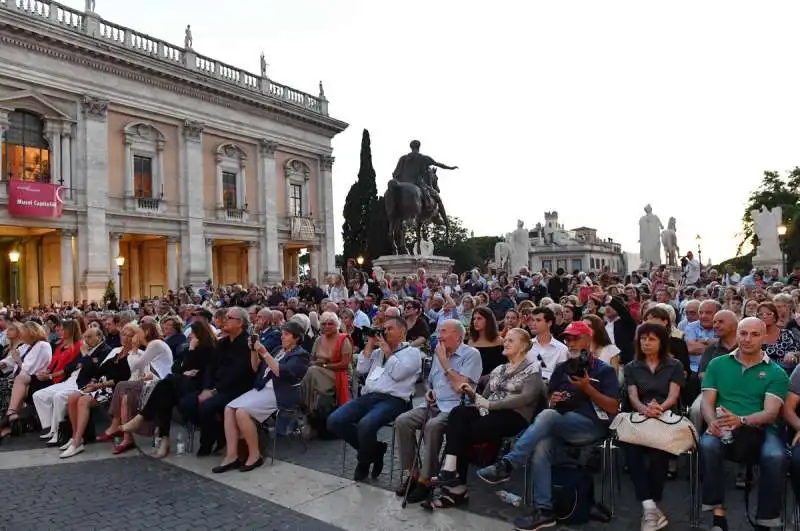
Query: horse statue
pixel 409 204
pixel 669 240
pixel 502 254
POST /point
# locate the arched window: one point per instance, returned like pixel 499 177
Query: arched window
pixel 26 154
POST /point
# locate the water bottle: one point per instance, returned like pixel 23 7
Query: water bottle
pixel 510 498
pixel 156 439
pixel 726 434
pixel 180 444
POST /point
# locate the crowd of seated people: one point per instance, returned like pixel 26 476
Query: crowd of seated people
pixel 482 359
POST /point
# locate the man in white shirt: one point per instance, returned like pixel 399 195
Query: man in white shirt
pixel 546 350
pixel 360 319
pixel 731 277
pixel 692 270
pixel 391 371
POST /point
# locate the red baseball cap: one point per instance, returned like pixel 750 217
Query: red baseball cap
pixel 578 328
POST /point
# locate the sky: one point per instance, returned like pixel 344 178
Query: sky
pixel 592 109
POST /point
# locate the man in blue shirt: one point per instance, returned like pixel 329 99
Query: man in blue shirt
pixel 699 335
pixel 579 414
pixel 454 365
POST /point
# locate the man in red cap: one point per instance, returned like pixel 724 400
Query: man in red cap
pixel 583 397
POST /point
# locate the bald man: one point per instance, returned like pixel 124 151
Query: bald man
pixel 748 389
pixel 725 323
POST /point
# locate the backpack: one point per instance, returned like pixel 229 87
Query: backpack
pixel 573 496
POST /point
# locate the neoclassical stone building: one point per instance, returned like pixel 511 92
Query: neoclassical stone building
pixel 118 148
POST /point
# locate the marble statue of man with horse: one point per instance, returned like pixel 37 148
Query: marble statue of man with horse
pixel 412 197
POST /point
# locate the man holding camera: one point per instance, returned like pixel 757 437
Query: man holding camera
pixel 455 365
pixel 391 370
pixel 583 397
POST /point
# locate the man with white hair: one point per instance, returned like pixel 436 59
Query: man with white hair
pixel 454 365
pixel 743 393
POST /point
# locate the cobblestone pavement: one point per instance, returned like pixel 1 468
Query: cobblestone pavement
pixel 135 493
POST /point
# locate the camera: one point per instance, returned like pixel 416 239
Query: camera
pixel 372 332
pixel 684 261
pixel 577 367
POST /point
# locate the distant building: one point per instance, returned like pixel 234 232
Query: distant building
pixel 580 249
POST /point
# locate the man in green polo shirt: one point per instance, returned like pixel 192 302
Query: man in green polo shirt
pixel 749 389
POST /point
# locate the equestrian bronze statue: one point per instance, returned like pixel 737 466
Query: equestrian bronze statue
pixel 412 197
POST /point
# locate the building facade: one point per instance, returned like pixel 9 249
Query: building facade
pixel 580 249
pixel 163 167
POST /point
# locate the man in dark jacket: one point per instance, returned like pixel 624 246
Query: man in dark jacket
pixel 557 285
pixel 229 374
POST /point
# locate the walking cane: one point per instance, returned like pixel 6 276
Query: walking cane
pixel 417 447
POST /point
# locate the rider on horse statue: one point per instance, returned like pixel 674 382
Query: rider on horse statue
pixel 415 168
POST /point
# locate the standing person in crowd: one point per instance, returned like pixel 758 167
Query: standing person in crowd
pixel 484 336
pixel 557 285
pixel 546 351
pixel 503 409
pixel 654 380
pixel 580 407
pixel 391 371
pixel 229 375
pixel 455 364
pixel 621 327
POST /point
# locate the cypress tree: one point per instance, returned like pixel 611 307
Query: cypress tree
pixel 359 204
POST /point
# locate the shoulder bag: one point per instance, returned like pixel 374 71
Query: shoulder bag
pixel 670 433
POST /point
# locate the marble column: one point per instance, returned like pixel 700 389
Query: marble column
pixel 128 166
pixel 315 270
pixel 172 264
pixel 66 156
pixel 194 250
pixel 329 245
pixel 95 264
pixel 134 278
pixel 52 132
pixel 210 259
pixel 252 262
pixel 67 266
pixel 113 254
pixel 295 264
pixel 30 269
pixel 271 258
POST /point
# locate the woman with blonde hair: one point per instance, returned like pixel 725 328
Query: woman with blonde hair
pixel 328 372
pixel 32 357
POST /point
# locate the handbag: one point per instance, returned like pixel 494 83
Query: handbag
pixel 670 433
pixel 147 388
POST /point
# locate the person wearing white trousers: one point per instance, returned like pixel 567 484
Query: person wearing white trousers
pixel 51 402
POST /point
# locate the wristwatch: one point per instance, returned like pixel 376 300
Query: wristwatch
pixel 743 420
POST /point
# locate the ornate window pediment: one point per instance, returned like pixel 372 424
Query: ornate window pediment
pixel 297 174
pixel 231 182
pixel 30 100
pixel 144 167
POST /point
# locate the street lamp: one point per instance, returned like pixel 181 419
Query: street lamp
pixel 120 260
pixel 360 261
pixel 13 257
pixel 782 230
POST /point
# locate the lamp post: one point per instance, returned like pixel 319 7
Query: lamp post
pixel 120 260
pixel 360 261
pixel 782 230
pixel 13 257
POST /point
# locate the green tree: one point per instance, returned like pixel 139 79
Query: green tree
pixel 775 191
pixel 459 244
pixel 378 241
pixel 110 295
pixel 358 205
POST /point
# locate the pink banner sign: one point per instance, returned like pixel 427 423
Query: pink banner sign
pixel 35 200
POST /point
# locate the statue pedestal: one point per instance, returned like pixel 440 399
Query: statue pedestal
pixel 764 263
pixel 406 264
